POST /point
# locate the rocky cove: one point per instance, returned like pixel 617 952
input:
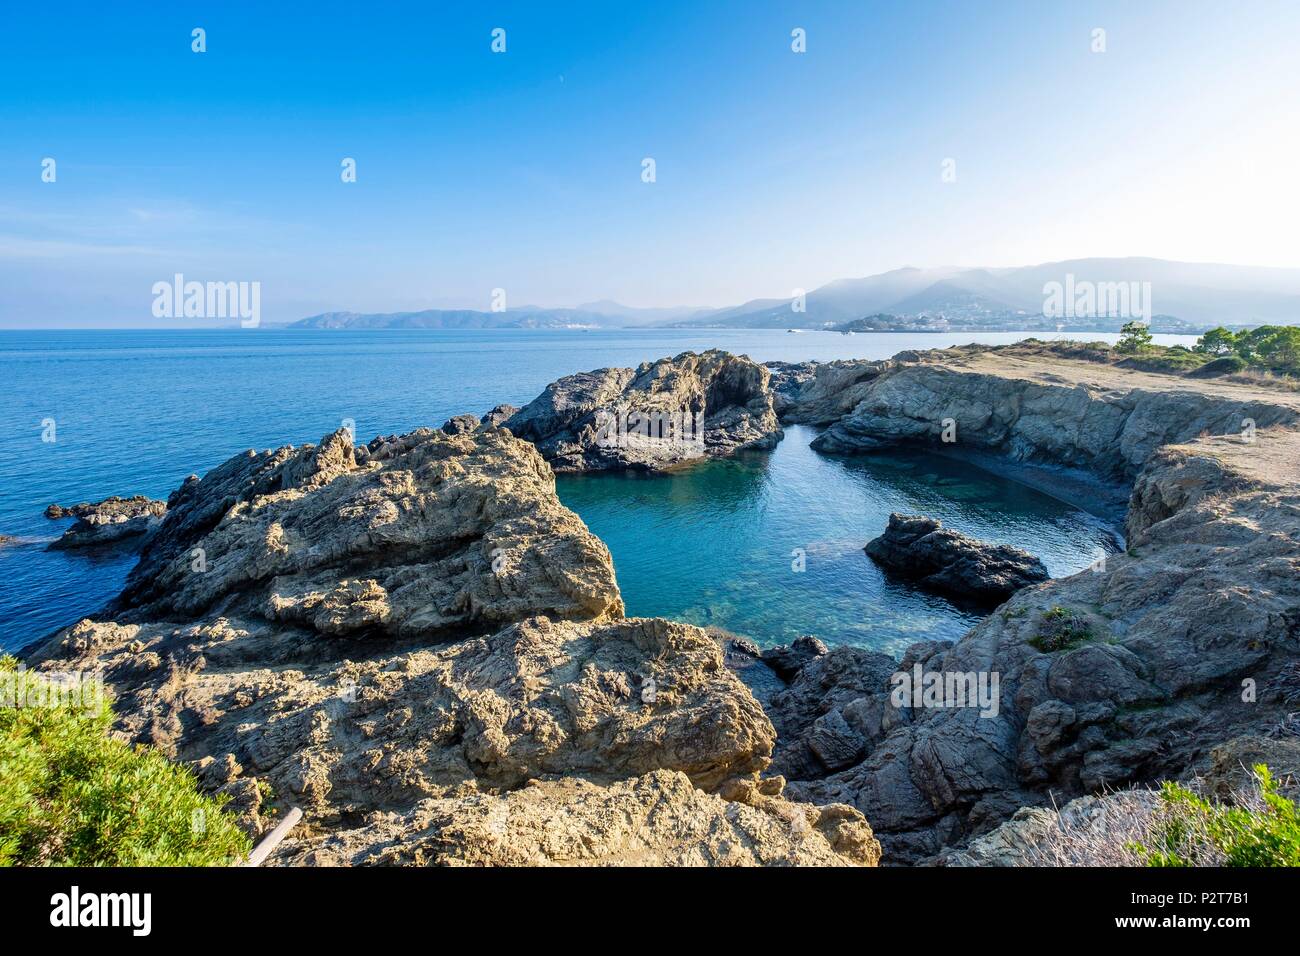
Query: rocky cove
pixel 414 641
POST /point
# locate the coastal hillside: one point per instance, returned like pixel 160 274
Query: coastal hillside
pixel 1185 296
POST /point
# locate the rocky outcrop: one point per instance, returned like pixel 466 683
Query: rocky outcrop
pixel 789 659
pixel 946 561
pixel 433 533
pixel 415 642
pixel 111 507
pixel 818 393
pixel 819 717
pixel 111 522
pixel 1132 671
pixel 658 819
pixel 658 416
pixel 1109 431
pixel 499 415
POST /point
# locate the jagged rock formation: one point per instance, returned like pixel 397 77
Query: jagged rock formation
pixel 417 644
pixel 1132 671
pixel 432 533
pixel 657 819
pixel 818 393
pixel 788 659
pixel 1112 431
pixel 111 507
pixel 947 561
pixel 498 415
pixel 658 416
pixel 113 521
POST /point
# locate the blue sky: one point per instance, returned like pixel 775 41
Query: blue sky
pixel 522 170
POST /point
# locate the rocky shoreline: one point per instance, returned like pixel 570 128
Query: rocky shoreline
pixel 418 645
pixel 414 641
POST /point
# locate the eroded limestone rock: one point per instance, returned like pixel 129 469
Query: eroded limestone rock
pixel 114 522
pixel 658 416
pixel 402 641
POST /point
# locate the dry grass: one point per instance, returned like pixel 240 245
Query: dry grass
pixel 1109 830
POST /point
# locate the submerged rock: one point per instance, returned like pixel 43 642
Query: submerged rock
pixel 111 522
pixel 947 561
pixel 427 652
pixel 656 417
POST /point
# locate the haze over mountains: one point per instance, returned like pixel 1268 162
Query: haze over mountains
pixel 1183 297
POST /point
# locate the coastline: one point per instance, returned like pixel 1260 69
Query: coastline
pixel 1067 725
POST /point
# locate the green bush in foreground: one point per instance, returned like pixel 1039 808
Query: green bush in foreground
pixel 1193 831
pixel 70 795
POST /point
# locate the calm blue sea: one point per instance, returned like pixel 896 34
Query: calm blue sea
pixel 134 412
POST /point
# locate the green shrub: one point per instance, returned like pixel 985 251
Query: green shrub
pixel 1275 348
pixel 1228 365
pixel 70 795
pixel 1134 337
pixel 1218 341
pixel 1173 360
pixel 1060 630
pixel 1193 831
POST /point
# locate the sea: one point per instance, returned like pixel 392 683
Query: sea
pixel 768 545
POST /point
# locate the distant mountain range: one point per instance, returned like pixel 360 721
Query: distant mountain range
pixel 1183 297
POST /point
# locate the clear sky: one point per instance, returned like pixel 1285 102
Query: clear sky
pixel 523 170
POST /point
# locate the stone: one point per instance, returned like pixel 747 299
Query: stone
pixel 943 560
pixel 788 659
pixel 460 424
pixel 113 522
pixel 656 417
pixel 498 415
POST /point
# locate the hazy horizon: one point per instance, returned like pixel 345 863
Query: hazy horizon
pixel 923 135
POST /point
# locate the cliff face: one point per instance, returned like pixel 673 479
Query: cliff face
pixel 1130 671
pixel 1113 432
pixel 658 416
pixel 419 645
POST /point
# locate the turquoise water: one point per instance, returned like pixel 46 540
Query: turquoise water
pixel 137 411
pixel 770 545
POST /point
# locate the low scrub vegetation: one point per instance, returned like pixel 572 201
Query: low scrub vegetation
pixel 1061 629
pixel 71 795
pixel 1175 826
pixel 1261 829
pixel 1271 348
